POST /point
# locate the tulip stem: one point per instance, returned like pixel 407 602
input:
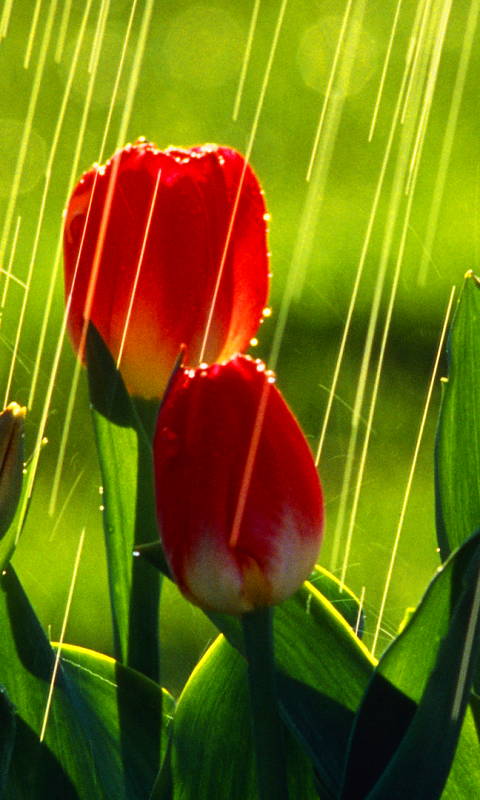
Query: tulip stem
pixel 268 731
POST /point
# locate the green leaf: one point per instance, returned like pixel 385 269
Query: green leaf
pixel 104 737
pixel 322 671
pixel 212 743
pixel 7 736
pixel 457 451
pixel 408 726
pixel 126 465
pixel 322 668
pixel 9 542
pixel 346 603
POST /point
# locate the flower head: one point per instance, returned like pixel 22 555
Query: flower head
pixel 239 502
pixel 163 249
pixel 12 457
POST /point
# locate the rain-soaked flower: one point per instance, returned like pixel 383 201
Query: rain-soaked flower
pixel 12 457
pixel 163 249
pixel 239 502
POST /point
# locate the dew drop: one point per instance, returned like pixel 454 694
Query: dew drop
pixel 168 435
pixel 267 312
pixel 102 508
pixel 266 217
pixel 260 366
pixel 100 489
pixel 253 342
pixel 171 443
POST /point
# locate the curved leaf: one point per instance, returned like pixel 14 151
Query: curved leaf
pixel 408 726
pixel 212 741
pixel 104 738
pixel 457 449
pixel 125 456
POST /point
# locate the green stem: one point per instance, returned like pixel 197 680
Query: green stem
pixel 268 731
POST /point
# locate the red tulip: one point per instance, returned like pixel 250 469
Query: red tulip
pixel 152 233
pixel 239 502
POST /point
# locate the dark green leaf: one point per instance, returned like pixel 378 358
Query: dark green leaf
pixel 457 451
pixel 104 736
pixel 340 596
pixel 408 726
pixel 7 736
pixel 129 518
pixel 212 747
pixel 322 671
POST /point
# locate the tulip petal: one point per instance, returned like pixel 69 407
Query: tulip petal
pixel 201 449
pixel 184 259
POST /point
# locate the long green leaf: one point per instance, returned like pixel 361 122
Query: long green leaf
pixel 7 736
pixel 129 512
pixel 104 736
pixel 457 451
pixel 408 726
pixel 212 745
pixel 322 669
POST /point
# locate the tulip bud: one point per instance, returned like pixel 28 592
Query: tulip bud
pixel 12 456
pixel 234 544
pixel 162 229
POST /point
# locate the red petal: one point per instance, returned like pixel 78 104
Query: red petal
pixel 181 259
pixel 201 449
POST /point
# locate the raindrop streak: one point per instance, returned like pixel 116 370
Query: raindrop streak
pixel 139 265
pixel 8 272
pixel 328 91
pixel 321 167
pixel 396 195
pixel 361 264
pixel 62 635
pixel 5 19
pixel 48 173
pixel 376 385
pixel 384 71
pixel 246 59
pixel 248 153
pixel 249 465
pixel 360 609
pixel 412 468
pixel 33 31
pixel 71 184
pixel 66 503
pixel 22 153
pixel 53 373
pixel 450 130
pixel 432 79
pixel 62 33
pixel 101 236
pixel 99 36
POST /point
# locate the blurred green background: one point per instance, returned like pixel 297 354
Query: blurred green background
pixel 185 95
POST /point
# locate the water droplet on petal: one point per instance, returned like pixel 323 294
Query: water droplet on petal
pixel 267 312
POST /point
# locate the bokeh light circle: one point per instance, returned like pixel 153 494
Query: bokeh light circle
pixel 204 46
pixel 316 54
pixel 11 132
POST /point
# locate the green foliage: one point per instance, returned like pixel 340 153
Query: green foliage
pixel 129 514
pixel 457 452
pixel 212 746
pixel 407 729
pixel 104 736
